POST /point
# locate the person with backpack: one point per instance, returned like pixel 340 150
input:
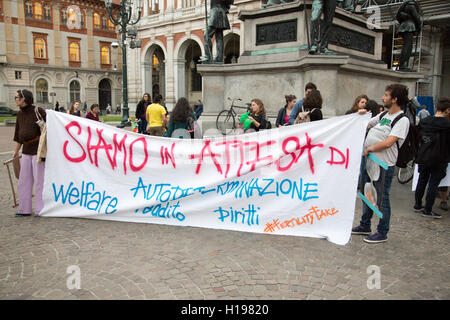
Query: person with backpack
pixel 433 156
pixel 311 108
pixel 181 117
pixel 387 133
pixel 298 105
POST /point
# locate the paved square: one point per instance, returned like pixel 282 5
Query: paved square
pixel 39 258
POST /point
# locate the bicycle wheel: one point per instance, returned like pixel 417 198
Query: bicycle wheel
pixel 406 174
pixel 225 122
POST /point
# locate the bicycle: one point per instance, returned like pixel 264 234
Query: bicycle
pixel 405 175
pixel 225 121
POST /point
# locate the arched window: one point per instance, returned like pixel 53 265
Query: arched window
pixel 105 56
pixel 47 13
pixel 74 51
pixel 41 91
pixel 39 49
pixel 37 11
pixel 97 21
pixel 74 88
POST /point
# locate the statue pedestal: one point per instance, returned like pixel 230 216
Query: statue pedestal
pixel 275 62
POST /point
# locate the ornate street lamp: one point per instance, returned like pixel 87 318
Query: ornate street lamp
pixel 124 19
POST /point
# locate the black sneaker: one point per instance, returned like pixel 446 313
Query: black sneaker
pixel 18 214
pixel 376 238
pixel 431 214
pixel 418 208
pixel 360 230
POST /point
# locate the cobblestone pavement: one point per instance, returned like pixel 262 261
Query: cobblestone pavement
pixel 145 261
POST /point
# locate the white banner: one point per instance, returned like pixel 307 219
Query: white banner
pixel 445 182
pixel 298 180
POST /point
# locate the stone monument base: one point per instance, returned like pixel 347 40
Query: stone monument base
pixel 275 62
pixel 340 79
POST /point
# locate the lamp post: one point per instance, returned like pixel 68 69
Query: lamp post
pixel 123 19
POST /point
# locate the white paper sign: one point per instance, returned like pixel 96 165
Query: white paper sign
pixel 444 182
pixel 298 180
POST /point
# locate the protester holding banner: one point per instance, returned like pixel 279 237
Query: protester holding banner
pixel 27 134
pixel 359 103
pixel 433 156
pixel 180 118
pixel 384 142
pixel 155 116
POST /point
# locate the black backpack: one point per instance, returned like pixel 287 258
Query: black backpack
pixel 408 151
pixel 429 152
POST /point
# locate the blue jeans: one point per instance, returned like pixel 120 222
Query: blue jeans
pixel 383 187
pixel 142 126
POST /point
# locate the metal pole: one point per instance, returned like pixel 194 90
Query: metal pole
pixel 306 25
pixel 393 46
pixel 125 113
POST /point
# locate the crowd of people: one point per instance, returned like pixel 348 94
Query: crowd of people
pixel 76 110
pixel 389 128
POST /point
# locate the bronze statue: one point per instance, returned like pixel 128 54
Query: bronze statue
pixel 410 24
pixel 327 7
pixel 270 3
pixel 218 22
pixel 348 5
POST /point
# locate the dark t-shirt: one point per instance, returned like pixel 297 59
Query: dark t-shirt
pixel 261 118
pixel 315 115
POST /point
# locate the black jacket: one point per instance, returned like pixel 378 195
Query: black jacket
pixel 280 117
pixel 140 110
pixel 434 144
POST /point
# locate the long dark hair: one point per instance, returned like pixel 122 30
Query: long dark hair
pixel 181 111
pixel 357 100
pixel 149 98
pixel 27 95
pixel 313 100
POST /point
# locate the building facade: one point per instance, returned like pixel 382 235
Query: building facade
pixel 172 34
pixel 59 50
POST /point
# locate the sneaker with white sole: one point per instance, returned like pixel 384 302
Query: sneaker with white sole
pixel 376 238
pixel 360 230
pixel 431 214
pixel 443 206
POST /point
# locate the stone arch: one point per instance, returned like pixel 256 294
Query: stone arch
pixel 189 48
pixel 50 82
pixel 154 76
pixel 231 46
